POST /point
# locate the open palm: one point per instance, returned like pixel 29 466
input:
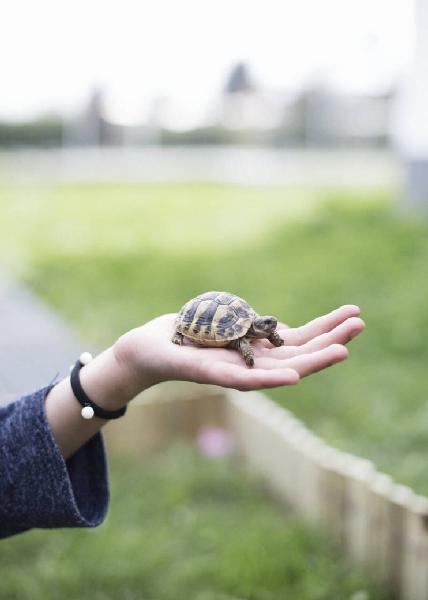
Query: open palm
pixel 153 358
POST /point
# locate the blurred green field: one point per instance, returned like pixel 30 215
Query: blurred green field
pixel 181 527
pixel 109 257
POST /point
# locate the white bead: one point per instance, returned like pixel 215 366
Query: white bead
pixel 85 358
pixel 87 412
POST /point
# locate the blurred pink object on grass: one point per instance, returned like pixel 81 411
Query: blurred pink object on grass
pixel 214 442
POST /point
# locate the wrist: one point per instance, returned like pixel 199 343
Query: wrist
pixel 131 355
pixel 107 382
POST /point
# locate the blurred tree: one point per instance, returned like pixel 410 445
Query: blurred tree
pixel 44 132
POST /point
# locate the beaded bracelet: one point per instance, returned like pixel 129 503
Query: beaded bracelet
pixel 89 408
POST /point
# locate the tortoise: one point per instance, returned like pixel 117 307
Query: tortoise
pixel 221 319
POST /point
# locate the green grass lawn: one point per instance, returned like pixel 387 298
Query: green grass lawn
pixel 110 257
pixel 180 527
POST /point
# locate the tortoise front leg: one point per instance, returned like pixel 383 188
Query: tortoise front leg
pixel 245 349
pixel 177 338
pixel 276 339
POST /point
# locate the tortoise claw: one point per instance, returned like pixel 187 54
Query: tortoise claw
pixel 276 339
pixel 177 338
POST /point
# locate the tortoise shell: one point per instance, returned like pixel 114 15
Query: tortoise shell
pixel 215 318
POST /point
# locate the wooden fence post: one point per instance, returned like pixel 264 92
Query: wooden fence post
pixel 399 500
pixel 154 421
pixel 360 473
pixel 380 490
pixel 285 474
pixel 252 422
pixel 311 473
pixel 415 557
pixel 270 438
pixel 151 426
pixel 333 465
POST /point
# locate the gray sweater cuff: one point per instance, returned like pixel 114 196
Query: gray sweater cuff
pixel 38 488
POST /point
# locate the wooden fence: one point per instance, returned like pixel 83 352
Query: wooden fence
pixel 381 526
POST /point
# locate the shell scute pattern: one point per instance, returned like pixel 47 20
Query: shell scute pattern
pixel 225 298
pixel 217 317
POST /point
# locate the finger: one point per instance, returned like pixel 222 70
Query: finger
pixel 268 362
pixel 245 379
pixel 342 334
pixel 320 325
pixel 305 364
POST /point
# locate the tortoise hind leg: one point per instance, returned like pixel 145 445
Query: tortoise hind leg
pixel 177 338
pixel 244 347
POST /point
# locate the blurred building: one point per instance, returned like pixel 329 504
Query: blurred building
pixel 247 113
pixel 411 119
pixel 243 113
pixel 90 127
pixel 239 80
pixel 97 125
pixel 320 116
pixel 246 107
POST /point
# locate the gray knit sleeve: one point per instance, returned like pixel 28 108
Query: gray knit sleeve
pixel 38 488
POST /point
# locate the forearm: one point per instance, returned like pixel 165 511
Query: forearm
pixel 107 382
pixel 37 487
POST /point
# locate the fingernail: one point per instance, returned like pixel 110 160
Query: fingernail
pixel 352 306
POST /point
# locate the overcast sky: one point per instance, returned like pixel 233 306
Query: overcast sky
pixel 53 52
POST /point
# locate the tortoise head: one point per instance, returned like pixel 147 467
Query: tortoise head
pixel 264 326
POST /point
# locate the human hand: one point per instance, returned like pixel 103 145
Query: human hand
pixel 146 356
pixel 150 357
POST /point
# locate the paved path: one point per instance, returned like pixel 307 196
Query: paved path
pixel 35 344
